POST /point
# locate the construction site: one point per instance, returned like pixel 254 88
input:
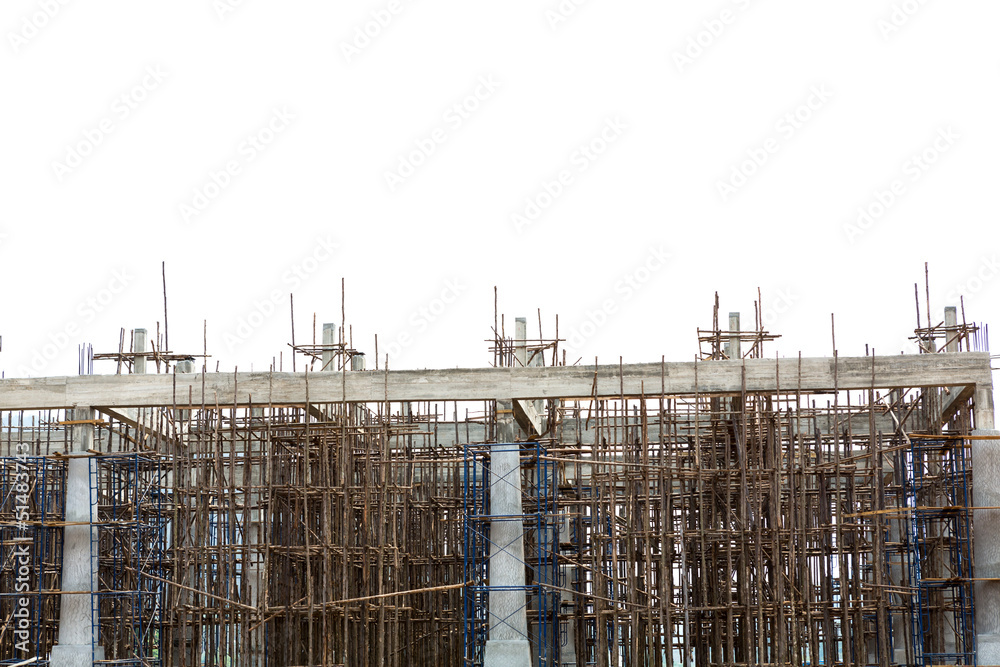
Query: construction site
pixel 742 508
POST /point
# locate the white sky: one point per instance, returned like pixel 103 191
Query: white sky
pixel 115 113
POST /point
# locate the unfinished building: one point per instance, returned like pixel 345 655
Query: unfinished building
pixel 735 510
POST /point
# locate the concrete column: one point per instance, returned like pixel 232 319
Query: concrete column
pixel 520 341
pixel 951 320
pixel 900 628
pixel 933 394
pixel 986 546
pixel 358 361
pixel 138 346
pixel 734 338
pixel 182 639
pixel 256 579
pixel 567 605
pixel 329 338
pixel 507 645
pixel 185 366
pixel 76 647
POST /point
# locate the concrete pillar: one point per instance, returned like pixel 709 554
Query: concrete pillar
pixel 507 645
pixel 76 647
pixel 734 338
pixel 520 341
pixel 329 338
pixel 139 346
pixel 184 366
pixel 567 605
pixel 986 546
pixel 256 579
pixel 934 395
pixel 951 320
pixel 182 638
pixel 358 361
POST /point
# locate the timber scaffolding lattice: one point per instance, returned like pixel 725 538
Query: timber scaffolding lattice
pixel 756 528
pixel 129 543
pixel 768 527
pixel 743 529
pixel 32 489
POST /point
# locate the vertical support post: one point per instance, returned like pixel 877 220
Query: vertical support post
pixel 897 566
pixel 933 394
pixel 986 547
pixel 734 336
pixel 185 366
pixel 951 320
pixel 138 347
pixel 183 632
pixel 77 623
pixel 567 603
pixel 256 581
pixel 329 338
pixel 520 341
pixel 507 645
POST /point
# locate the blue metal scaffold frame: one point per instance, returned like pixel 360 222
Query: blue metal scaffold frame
pixel 46 483
pixel 541 545
pixel 130 544
pixel 939 537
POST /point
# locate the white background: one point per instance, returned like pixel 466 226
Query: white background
pixel 688 91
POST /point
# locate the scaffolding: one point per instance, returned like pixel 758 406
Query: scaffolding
pixel 131 525
pixel 747 526
pixel 33 508
pixel 539 519
pixel 939 540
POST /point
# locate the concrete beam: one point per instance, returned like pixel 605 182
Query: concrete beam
pixel 956 402
pixel 528 418
pixel 814 374
pixel 148 425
